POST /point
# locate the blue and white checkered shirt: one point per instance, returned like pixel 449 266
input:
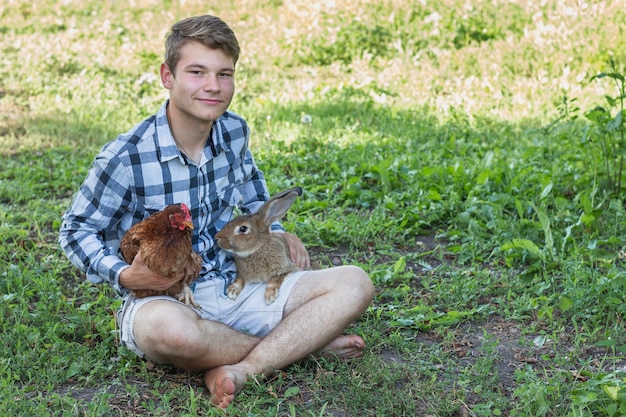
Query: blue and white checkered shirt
pixel 141 172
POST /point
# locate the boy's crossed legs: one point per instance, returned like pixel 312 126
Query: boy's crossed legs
pixel 317 310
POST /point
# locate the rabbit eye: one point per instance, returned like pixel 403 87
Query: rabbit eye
pixel 243 229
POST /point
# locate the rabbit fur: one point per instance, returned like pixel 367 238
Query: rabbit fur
pixel 260 256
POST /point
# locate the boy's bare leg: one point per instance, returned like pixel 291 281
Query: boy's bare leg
pixel 210 355
pixel 185 340
pixel 225 381
pixel 320 307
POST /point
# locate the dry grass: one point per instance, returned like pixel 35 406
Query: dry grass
pixel 560 45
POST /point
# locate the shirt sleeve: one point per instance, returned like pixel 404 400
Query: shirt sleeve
pixel 97 207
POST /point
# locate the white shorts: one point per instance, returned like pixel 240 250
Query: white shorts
pixel 247 313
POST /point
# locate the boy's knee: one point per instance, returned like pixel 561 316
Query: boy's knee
pixel 160 333
pixel 359 282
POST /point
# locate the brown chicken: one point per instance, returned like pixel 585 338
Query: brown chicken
pixel 164 241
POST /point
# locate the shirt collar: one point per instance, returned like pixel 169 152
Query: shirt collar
pixel 164 139
pixel 167 145
pixel 217 137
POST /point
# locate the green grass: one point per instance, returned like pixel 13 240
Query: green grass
pixel 453 150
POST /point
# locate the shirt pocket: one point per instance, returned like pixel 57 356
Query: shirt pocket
pixel 148 206
pixel 230 194
pixel 222 207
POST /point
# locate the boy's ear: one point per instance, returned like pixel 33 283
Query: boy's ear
pixel 166 76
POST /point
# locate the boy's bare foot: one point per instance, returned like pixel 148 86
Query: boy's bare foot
pixel 345 347
pixel 225 382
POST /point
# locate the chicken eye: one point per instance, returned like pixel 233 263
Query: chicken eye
pixel 243 229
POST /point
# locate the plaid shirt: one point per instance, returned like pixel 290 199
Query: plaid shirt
pixel 141 172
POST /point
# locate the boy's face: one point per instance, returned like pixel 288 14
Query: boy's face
pixel 204 84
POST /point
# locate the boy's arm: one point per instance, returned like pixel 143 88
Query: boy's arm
pixel 96 208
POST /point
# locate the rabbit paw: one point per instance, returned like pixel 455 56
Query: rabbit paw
pixel 271 294
pixel 233 290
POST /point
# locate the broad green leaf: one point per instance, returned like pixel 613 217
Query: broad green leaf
pixel 587 219
pixel 596 115
pixel 483 177
pixel 399 266
pixel 606 343
pixel 73 370
pixel 547 231
pixel 615 123
pixel 524 244
pixel 291 391
pixel 611 391
pixel 434 195
pixel 565 303
pixel 546 191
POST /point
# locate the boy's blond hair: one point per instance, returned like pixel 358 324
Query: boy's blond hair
pixel 209 30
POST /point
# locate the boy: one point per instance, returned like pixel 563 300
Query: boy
pixel 195 151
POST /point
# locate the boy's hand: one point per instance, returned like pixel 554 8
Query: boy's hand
pixel 298 253
pixel 140 277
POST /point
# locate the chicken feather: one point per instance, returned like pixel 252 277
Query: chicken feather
pixel 164 241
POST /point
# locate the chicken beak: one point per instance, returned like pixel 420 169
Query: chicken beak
pixel 188 224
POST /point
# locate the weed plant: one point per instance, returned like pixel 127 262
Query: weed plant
pixel 441 146
pixel 608 132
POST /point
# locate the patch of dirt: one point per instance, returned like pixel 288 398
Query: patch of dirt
pixel 128 397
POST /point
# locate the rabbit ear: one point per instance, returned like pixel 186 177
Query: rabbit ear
pixel 277 206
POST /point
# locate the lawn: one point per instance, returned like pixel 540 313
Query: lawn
pixel 467 155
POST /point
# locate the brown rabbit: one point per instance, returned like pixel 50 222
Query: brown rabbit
pixel 260 256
